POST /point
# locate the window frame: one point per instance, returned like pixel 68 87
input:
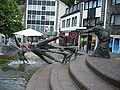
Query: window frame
pixel 114 20
pixel 115 2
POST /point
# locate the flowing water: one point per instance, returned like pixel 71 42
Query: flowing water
pixel 14 74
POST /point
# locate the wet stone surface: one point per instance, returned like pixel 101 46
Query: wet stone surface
pixel 14 75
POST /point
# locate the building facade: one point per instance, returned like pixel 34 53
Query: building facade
pixel 113 24
pixel 41 15
pixel 71 21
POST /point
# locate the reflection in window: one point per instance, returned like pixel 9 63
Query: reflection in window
pixel 94 4
pixel 90 4
pixel 29 16
pixel 33 16
pixel 68 23
pixel 99 2
pixel 117 1
pixel 86 5
pixel 115 19
pixel 75 21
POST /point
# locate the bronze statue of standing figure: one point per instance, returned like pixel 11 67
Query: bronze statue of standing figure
pixel 102 49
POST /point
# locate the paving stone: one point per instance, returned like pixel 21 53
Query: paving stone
pixel 107 69
pixel 60 78
pixel 40 79
pixel 85 78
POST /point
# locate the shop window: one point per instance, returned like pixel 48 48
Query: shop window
pixel 111 44
pixel 116 45
pixel 115 19
pixel 83 42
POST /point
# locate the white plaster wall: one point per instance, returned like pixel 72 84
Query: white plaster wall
pixel 70 16
pixel 98 12
pixel 85 12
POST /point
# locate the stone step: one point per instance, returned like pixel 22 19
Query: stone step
pixel 85 78
pixel 60 78
pixel 107 69
pixel 40 79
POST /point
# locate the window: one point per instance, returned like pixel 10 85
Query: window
pixel 86 5
pixel 114 2
pixel 51 22
pixel 38 17
pixel 115 19
pixel 72 21
pixel 94 4
pixel 43 8
pixel 75 21
pixel 48 2
pixel 38 22
pixel 53 3
pixel 47 22
pixel 29 16
pixel 30 7
pixel 43 2
pixel 29 2
pixel 42 17
pixel 39 2
pixel 68 23
pixel 99 3
pixel 42 22
pixel 43 12
pixel 33 16
pixel 33 21
pixel 63 24
pixel 47 12
pixel 52 13
pixel 85 22
pixel 34 2
pixel 28 21
pixel 117 1
pixel 90 4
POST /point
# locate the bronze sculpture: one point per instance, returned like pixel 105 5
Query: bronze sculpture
pixel 102 49
pixel 40 50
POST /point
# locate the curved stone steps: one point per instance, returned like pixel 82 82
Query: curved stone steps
pixel 60 79
pixel 107 69
pixel 85 78
pixel 40 79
